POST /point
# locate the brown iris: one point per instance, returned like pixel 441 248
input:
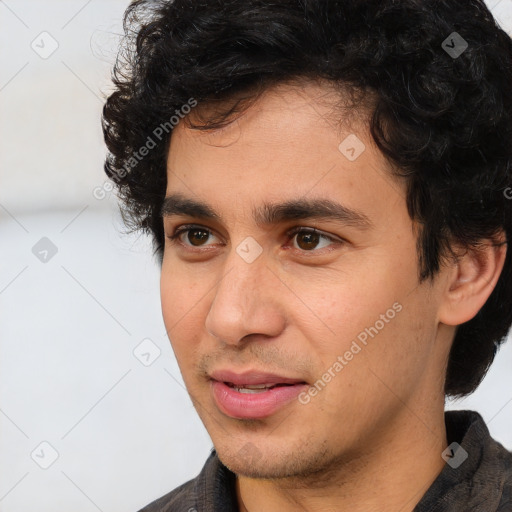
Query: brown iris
pixel 307 240
pixel 197 236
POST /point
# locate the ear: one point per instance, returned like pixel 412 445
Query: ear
pixel 472 279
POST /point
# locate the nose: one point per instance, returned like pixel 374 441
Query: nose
pixel 246 301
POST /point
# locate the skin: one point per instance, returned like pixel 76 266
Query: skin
pixel 297 307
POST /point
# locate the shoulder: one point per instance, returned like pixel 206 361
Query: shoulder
pixel 212 490
pixel 488 476
pixel 181 498
pixel 478 474
pixel 503 459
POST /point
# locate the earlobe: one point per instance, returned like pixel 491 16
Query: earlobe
pixel 474 277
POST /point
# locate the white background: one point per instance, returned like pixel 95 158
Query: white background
pixel 125 433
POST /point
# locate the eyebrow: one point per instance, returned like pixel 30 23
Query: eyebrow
pixel 271 213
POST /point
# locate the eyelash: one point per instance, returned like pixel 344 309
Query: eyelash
pixel 290 234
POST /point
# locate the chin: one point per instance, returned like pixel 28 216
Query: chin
pixel 260 469
pixel 265 462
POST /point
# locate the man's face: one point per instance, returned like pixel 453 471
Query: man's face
pixel 339 311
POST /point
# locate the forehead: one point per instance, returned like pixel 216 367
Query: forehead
pixel 292 141
pixel 279 113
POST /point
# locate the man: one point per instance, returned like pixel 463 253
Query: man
pixel 328 188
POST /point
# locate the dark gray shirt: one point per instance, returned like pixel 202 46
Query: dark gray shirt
pixel 481 483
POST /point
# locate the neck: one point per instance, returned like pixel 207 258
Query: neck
pixel 391 473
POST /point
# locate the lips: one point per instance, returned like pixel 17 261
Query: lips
pixel 252 378
pixel 253 394
pixel 254 388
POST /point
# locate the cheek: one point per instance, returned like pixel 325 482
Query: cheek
pixel 364 309
pixel 181 287
pixel 344 304
pixel 180 310
pixel 182 301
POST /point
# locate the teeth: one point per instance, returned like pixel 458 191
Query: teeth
pixel 252 390
pixel 258 386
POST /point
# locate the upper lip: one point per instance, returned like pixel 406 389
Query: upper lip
pixel 251 377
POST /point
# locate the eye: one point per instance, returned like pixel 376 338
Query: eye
pixel 310 239
pixel 305 239
pixel 196 236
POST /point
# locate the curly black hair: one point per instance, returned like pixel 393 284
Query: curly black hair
pixel 441 75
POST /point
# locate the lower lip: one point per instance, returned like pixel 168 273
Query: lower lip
pixel 253 405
